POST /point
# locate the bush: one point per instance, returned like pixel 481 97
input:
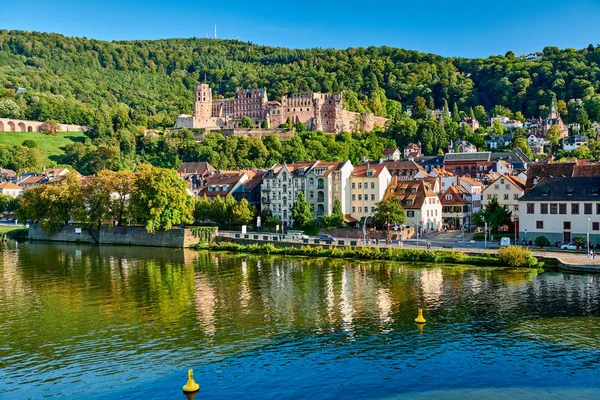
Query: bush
pixel 580 241
pixel 32 144
pixel 541 241
pixel 515 256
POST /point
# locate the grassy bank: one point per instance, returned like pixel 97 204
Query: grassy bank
pixel 14 232
pixel 370 253
pixel 51 147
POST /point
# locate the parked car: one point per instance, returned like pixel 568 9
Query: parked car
pixel 505 241
pixel 326 237
pixel 569 246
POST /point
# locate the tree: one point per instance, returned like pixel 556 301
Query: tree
pixel 389 210
pixel 246 122
pixel 419 110
pixel 50 127
pixel 336 219
pixel 51 206
pixel 554 134
pixel 480 114
pixel 242 212
pixel 202 209
pixel 121 185
pixel 218 212
pixel 497 128
pixel 160 199
pixel 520 142
pixel 264 124
pixel 496 215
pixel 302 214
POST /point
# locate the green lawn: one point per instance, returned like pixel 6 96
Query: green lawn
pixel 49 146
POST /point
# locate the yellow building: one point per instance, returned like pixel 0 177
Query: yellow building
pixel 368 184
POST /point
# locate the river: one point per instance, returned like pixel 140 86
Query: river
pixel 127 322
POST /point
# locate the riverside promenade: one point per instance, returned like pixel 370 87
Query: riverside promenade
pixel 566 260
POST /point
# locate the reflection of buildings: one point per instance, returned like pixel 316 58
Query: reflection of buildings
pixel 205 303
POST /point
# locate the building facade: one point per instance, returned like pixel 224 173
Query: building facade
pixel 508 190
pixel 368 183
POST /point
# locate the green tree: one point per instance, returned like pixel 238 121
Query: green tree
pixel 246 122
pixel 218 212
pixel 160 199
pixel 480 114
pixel 336 219
pixel 242 212
pixel 202 209
pixel 496 215
pixel 389 210
pixel 497 128
pixel 50 127
pixel 419 110
pixel 302 214
pixel 520 142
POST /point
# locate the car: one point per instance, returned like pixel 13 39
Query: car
pixel 569 246
pixel 325 237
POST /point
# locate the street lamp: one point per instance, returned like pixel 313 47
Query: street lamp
pixel 387 240
pixel 516 221
pixel 588 236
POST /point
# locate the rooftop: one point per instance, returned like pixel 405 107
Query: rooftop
pixel 565 189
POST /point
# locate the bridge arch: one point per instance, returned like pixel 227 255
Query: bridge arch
pixel 1 126
pixel 22 127
pixel 11 126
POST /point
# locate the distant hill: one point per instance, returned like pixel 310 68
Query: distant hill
pixel 79 80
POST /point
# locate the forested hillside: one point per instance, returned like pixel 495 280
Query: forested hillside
pixel 118 89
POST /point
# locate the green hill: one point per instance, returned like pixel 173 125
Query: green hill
pixel 50 147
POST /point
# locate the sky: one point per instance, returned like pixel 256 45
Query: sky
pixel 448 28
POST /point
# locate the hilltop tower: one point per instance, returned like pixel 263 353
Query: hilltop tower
pixel 203 101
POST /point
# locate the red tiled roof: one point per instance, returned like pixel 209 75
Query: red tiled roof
pixel 9 185
pixel 361 170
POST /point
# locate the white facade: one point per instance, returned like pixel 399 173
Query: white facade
pixel 368 184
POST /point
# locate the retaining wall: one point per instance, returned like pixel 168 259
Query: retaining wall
pixel 121 235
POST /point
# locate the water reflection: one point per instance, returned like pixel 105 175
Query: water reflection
pixel 95 321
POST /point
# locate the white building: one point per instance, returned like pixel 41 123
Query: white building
pixel 560 209
pixel 421 203
pixel 368 183
pixel 506 122
pixel 10 189
pixel 325 182
pixel 507 189
pixel 536 144
pixel 571 143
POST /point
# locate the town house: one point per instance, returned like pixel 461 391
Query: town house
pixel 421 204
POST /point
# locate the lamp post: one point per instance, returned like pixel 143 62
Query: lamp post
pixel 484 233
pixel 588 236
pixel 388 237
pixel 516 221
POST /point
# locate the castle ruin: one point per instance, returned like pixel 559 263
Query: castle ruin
pixel 317 111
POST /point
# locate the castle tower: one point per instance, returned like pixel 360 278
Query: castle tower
pixel 203 101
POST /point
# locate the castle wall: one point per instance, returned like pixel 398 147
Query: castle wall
pixel 21 125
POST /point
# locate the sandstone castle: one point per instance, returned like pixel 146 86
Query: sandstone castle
pixel 317 111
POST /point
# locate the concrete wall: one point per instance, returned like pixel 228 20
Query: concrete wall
pixel 123 235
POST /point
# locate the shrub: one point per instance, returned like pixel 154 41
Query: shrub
pixel 516 256
pixel 580 241
pixel 541 241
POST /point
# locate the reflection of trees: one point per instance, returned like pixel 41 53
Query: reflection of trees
pixel 167 307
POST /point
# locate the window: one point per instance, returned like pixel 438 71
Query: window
pixel 544 208
pixel 596 226
pixel 372 185
pixel 553 208
pixel 516 196
pixel 359 197
pixel 353 209
pixel 597 208
pixel 410 214
pixel 507 187
pixel 353 185
pixel 489 197
pixel 359 185
pixel 359 209
pixel 516 209
pixel 539 224
pixel 575 208
pixel 562 208
pixel 567 225
pixel 312 195
pixel 496 186
pixel 372 209
pixel 505 196
pixel 587 208
pixel 353 197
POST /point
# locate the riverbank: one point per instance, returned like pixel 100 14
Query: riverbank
pixel 373 253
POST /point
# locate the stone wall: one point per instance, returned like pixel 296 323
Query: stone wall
pixel 20 125
pixel 122 235
pixel 258 133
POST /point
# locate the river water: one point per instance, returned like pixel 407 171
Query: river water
pixel 127 322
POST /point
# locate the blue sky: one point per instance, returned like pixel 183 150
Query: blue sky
pixel 449 28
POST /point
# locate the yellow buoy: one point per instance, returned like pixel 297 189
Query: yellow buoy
pixel 420 328
pixel 191 386
pixel 420 319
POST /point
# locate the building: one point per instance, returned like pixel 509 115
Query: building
pixel 471 164
pixel 405 169
pixel 368 183
pixel 542 125
pixel 446 178
pixel 10 189
pixel 317 111
pixel 536 144
pixel 456 207
pixel 472 122
pixel 561 208
pixel 507 189
pixel 428 163
pixel 421 204
pixel 496 142
pixel 506 122
pixel 196 174
pixel 391 154
pixel 461 146
pixel 540 170
pixel 412 150
pixel 571 143
pixel 21 125
pixel 326 182
pixel 280 188
pixel 475 190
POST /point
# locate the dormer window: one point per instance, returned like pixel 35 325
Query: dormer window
pixel 570 191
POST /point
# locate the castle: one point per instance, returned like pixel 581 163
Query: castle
pixel 317 111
